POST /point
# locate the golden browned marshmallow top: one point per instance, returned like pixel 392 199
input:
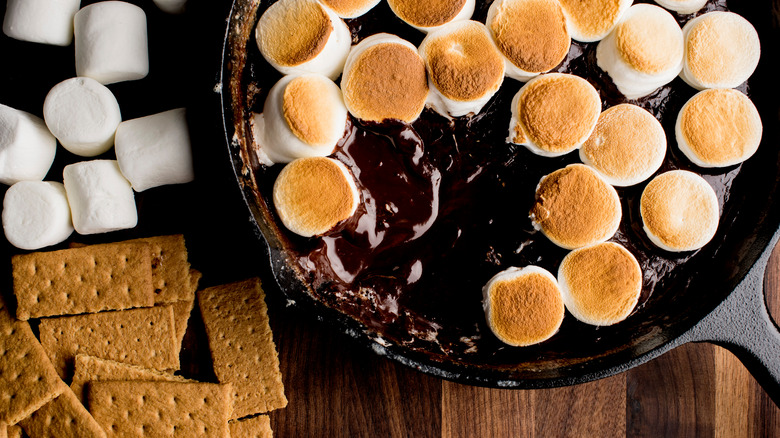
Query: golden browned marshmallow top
pixel 721 50
pixel 679 210
pixel 558 111
pixel 627 146
pixel 591 20
pixel 523 307
pixel 350 8
pixel 464 64
pixel 600 283
pixel 428 13
pixel 649 41
pixel 575 207
pixel 308 111
pixel 313 195
pixel 385 80
pixel 719 127
pixel 532 34
pixel 292 32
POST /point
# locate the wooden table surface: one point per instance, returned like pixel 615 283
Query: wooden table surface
pixel 337 389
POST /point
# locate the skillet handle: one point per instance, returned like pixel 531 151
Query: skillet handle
pixel 742 324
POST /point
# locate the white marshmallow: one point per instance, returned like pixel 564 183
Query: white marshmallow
pixel 155 150
pixel 27 147
pixel 83 114
pixel 101 199
pixel 36 214
pixel 682 7
pixel 350 9
pixel 171 6
pixel 41 21
pixel 111 42
pixel 665 39
pixel 273 29
pixel 278 142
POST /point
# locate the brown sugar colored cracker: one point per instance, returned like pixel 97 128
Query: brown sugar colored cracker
pixel 14 431
pixel 141 409
pixel 83 280
pixel 90 368
pixel 242 346
pixel 144 337
pixel 255 427
pixel 28 379
pixel 63 417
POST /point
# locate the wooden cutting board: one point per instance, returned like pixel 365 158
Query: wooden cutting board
pixel 337 389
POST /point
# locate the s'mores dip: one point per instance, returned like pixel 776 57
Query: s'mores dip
pixel 483 143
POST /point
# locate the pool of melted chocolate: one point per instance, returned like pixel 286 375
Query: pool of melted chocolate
pixel 445 207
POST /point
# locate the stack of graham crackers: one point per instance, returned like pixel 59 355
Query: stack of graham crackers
pixel 112 320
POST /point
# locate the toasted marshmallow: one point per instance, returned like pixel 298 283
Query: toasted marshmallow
pixel 83 114
pixel 593 20
pixel 111 42
pixel 718 128
pixel 523 306
pixel 679 211
pixel 429 15
pixel 385 78
pixel 100 198
pixel 721 50
pixel 41 21
pixel 683 7
pixel 27 148
pixel 554 114
pixel 627 146
pixel 303 36
pixel 601 283
pixel 313 195
pixel 575 207
pixel 303 116
pixel 531 34
pixel 465 69
pixel 643 52
pixel 36 214
pixel 350 8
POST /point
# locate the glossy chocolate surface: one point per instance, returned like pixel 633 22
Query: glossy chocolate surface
pixel 445 207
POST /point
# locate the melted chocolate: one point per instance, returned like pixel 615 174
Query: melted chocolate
pixel 445 207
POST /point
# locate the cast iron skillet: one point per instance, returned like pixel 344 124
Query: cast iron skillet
pixel 721 300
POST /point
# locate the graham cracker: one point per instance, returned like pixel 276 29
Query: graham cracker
pixel 63 417
pixel 90 368
pixel 28 379
pixel 170 268
pixel 3 430
pixel 91 279
pixel 140 408
pixel 144 337
pixel 181 316
pixel 242 346
pixel 14 431
pixel 256 427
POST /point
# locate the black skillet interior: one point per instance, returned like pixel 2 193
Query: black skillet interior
pixel 749 220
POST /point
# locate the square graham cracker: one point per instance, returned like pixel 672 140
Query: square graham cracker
pixel 28 379
pixel 63 417
pixel 90 368
pixel 145 409
pixel 14 431
pixel 170 267
pixel 242 346
pixel 144 337
pixel 256 427
pixel 91 279
pixel 181 317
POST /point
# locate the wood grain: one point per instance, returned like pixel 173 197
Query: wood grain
pixel 337 389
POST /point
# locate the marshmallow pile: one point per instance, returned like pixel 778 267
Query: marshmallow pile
pixel 84 116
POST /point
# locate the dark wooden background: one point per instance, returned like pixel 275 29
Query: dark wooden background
pixel 335 388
